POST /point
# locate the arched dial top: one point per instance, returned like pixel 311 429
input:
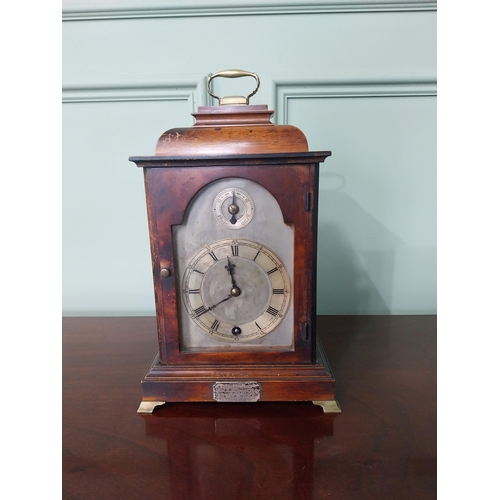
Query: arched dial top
pixel 236 290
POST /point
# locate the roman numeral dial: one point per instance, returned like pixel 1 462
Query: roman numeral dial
pixel 236 290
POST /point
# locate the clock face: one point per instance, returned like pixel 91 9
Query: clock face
pixel 234 262
pixel 236 290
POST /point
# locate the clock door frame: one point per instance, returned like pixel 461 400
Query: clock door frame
pixel 172 182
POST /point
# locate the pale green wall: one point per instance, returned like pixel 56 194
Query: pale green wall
pixel 359 78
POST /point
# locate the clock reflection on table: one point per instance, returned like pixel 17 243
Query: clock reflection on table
pixel 241 450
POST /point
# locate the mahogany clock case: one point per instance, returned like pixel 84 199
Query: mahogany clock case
pixel 226 143
pixel 293 183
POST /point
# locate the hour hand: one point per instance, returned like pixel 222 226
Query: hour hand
pixel 235 289
pixel 230 270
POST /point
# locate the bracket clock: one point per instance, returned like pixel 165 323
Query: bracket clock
pixel 232 207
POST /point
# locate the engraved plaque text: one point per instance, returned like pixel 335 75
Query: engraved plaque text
pixel 236 392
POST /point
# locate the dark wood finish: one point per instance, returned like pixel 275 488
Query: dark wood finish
pixel 224 130
pixel 234 141
pixel 278 382
pixel 229 160
pixel 382 446
pixel 169 191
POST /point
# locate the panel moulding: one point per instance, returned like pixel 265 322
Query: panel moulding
pixel 109 10
pixel 285 92
pixel 191 91
pixel 279 92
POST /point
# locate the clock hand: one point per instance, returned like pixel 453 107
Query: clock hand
pixel 223 300
pixel 235 290
pixel 203 310
pixel 233 210
pixel 230 270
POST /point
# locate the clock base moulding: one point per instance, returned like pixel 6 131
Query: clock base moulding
pixel 240 383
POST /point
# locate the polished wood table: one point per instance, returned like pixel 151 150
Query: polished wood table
pixel 382 445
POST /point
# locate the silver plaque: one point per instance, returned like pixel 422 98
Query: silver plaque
pixel 236 392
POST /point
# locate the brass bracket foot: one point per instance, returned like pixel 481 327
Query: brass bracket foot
pixel 149 406
pixel 329 406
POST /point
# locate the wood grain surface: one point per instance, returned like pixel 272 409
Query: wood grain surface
pixel 382 445
pixel 170 187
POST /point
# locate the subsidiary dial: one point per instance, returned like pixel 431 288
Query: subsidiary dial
pixel 233 208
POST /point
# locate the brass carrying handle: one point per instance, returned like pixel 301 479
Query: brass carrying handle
pixel 234 99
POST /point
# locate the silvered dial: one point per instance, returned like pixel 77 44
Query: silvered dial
pixel 233 208
pixel 236 290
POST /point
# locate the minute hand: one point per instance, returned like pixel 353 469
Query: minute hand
pixel 223 300
pixel 201 310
